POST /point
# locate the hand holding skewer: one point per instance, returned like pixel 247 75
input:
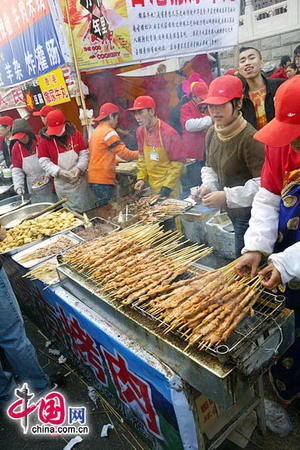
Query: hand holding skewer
pixel 272 277
pixel 248 264
pixel 214 199
pixel 139 185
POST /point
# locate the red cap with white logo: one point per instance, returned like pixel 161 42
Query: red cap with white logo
pixel 223 89
pixel 142 102
pixel 105 110
pixel 285 128
pixel 55 121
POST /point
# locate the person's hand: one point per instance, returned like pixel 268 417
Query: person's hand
pixel 64 175
pixel 75 175
pixel 2 233
pixel 46 179
pixel 20 191
pixel 272 277
pixel 248 264
pixel 139 185
pixel 214 199
pixel 203 191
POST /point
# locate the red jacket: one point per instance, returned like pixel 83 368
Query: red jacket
pixel 47 147
pixel 278 161
pixel 171 140
pixel 194 141
pixel 19 151
pixel 279 73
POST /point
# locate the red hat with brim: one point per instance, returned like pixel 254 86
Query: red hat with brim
pixel 6 120
pixel 285 127
pixel 224 89
pixel 105 110
pixel 143 102
pixel 43 111
pixel 19 135
pixel 277 134
pixel 55 121
pixel 199 89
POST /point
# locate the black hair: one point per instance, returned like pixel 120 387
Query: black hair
pixel 243 49
pixel 284 60
pixel 297 50
pixel 234 103
pixel 106 119
pixel 92 97
pixel 292 65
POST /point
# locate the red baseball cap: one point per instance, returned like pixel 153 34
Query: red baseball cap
pixel 55 121
pixel 6 120
pixel 285 127
pixel 43 111
pixel 223 89
pixel 19 135
pixel 105 110
pixel 199 89
pixel 142 102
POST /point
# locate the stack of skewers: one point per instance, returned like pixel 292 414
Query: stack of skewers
pixel 143 266
pixel 133 265
pixel 209 308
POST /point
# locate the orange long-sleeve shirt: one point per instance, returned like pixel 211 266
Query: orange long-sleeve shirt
pixel 105 144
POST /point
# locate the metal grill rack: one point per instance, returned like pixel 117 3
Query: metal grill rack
pixel 265 311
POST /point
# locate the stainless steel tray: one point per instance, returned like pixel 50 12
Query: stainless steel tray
pixel 20 214
pixel 96 221
pixel 73 239
pixel 11 204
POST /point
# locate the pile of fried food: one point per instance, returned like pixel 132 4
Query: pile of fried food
pixel 32 230
pixel 60 244
pixel 45 272
pixel 146 270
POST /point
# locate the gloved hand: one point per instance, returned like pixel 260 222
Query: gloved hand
pixel 64 175
pixel 75 174
pixel 20 191
pixel 165 192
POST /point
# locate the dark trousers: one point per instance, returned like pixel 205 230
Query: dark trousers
pixel 105 193
pixel 240 225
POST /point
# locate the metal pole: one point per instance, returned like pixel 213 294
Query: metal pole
pixel 218 64
pixel 77 69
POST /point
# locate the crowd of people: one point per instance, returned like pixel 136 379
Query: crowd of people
pixel 243 131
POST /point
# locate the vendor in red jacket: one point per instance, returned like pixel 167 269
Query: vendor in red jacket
pixel 195 120
pixel 25 160
pixel 63 154
pixel 162 151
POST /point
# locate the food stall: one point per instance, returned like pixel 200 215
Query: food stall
pixel 104 306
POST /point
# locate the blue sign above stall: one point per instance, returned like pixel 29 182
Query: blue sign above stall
pixel 29 44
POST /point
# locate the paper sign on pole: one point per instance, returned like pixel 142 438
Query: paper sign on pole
pixel 54 88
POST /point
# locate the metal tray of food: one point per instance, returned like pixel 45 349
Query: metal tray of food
pixel 12 203
pixel 8 220
pixel 17 249
pixel 60 239
pixel 98 228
